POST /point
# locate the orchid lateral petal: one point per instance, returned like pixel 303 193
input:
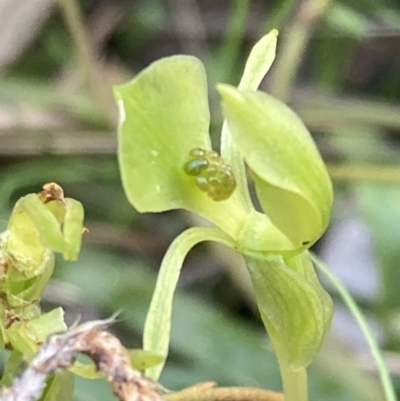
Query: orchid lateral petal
pixel 291 180
pixel 164 116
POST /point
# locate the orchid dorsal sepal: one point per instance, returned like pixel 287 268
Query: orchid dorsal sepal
pixel 258 63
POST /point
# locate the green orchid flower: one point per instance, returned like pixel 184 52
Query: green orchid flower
pixel 166 162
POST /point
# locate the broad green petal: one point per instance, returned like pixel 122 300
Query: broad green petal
pixel 59 387
pixel 291 306
pixel 292 183
pixel 163 116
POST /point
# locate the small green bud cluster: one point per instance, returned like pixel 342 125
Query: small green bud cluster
pixel 212 174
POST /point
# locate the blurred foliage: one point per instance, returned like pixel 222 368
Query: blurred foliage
pixel 340 64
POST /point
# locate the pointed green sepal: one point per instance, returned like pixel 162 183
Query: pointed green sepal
pixel 291 179
pixel 294 307
pixel 259 62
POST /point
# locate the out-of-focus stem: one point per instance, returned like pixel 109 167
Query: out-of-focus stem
pixel 387 384
pixel 98 89
pixel 293 45
pixel 365 173
pixel 224 394
pixel 230 48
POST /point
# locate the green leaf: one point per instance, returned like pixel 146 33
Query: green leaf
pixel 59 387
pixel 86 370
pixel 12 368
pixel 163 116
pixel 294 307
pixel 46 324
pixel 142 359
pixel 292 183
pixel 26 336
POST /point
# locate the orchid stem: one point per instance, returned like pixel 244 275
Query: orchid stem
pixel 294 381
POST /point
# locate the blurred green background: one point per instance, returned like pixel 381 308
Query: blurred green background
pixel 338 66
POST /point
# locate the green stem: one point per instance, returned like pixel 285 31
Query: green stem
pixel 279 15
pixel 157 327
pixel 386 381
pixel 294 382
pixel 364 172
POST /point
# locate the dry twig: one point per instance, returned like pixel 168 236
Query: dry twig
pixel 60 351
